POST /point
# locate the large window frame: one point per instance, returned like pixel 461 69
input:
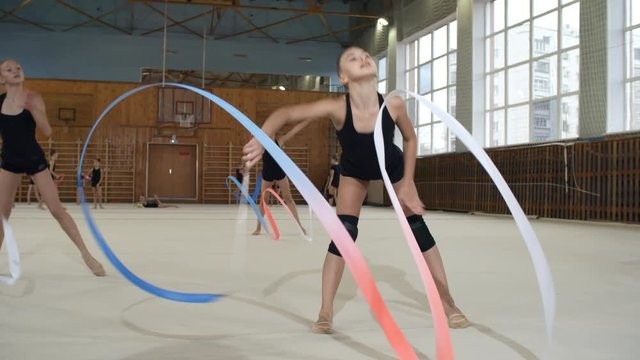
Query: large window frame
pixel 430 69
pixel 382 73
pixel 547 100
pixel 632 65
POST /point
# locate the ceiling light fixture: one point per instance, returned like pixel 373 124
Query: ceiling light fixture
pixel 382 22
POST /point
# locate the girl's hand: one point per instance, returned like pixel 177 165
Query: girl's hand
pixel 252 151
pixel 408 197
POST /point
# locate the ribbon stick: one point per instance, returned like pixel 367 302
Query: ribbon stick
pixel 273 232
pixel 353 258
pixel 12 253
pixel 268 215
pixel 540 264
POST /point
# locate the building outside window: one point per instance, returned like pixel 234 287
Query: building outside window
pixel 532 70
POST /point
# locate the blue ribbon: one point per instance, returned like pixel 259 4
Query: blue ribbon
pixel 248 199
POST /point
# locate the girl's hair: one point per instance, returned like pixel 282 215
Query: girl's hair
pixel 97 159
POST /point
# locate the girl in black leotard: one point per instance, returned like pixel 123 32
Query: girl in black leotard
pixel 96 184
pixel 273 175
pixel 354 117
pixel 21 111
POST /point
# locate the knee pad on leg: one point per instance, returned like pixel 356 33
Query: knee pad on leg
pixel 421 232
pixel 351 224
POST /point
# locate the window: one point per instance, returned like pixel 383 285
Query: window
pixel 430 70
pixel 632 69
pixel 382 75
pixel 532 66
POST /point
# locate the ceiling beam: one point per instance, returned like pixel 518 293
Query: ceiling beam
pixel 262 27
pixel 22 4
pixel 79 11
pixel 98 17
pixel 266 8
pixel 314 7
pixel 27 21
pixel 363 25
pixel 176 22
pixel 255 27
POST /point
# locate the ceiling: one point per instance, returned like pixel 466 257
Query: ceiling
pixel 274 21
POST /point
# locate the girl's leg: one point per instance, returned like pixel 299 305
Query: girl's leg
pixel 99 192
pixel 95 196
pixel 350 199
pixel 285 188
pixel 49 195
pixel 9 183
pixel 436 267
pixel 264 186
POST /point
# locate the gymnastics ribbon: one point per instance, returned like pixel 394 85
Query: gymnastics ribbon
pixel 540 264
pixel 444 349
pixel 353 258
pixel 128 274
pixel 269 216
pixel 256 191
pixel 12 253
pixel 275 234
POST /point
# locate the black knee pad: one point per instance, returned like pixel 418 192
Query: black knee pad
pixel 351 224
pixel 421 232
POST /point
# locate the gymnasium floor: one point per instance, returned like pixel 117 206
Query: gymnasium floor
pixel 58 310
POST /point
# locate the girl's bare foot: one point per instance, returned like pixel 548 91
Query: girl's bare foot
pixel 94 265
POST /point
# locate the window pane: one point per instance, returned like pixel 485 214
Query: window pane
pixel 518 84
pixel 495 16
pixel 440 73
pixel 518 48
pixel 570 116
pixel 424 140
pixel 545 77
pixel 633 52
pixel 412 80
pixel 452 101
pixel 411 110
pixel 540 6
pixel 544 124
pixel 494 128
pixel 545 34
pixel 495 90
pixel 517 11
pixel 440 41
pixel 633 106
pixel 425 78
pixel 571 25
pixel 382 87
pixel 518 125
pixel 425 49
pixel 440 138
pixel 411 55
pixel 633 12
pixel 495 52
pixel 570 71
pixel 440 99
pixel 424 114
pixel 453 67
pixel 382 68
pixel 453 35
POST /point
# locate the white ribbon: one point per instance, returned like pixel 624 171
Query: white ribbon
pixel 12 253
pixel 540 264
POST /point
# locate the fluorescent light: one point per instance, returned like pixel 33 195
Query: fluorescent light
pixel 282 88
pixel 383 22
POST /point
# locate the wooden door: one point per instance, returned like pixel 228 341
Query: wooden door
pixel 172 171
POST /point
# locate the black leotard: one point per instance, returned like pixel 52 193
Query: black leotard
pixel 21 153
pixel 271 171
pixel 96 175
pixel 359 159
